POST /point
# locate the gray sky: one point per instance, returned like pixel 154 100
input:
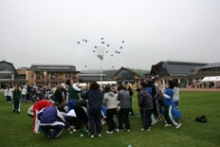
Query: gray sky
pixel 47 31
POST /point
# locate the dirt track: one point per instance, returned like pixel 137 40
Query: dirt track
pixel 200 89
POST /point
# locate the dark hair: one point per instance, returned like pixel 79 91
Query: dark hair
pixel 171 84
pixel 120 87
pixel 107 89
pixel 149 83
pixel 68 82
pixel 143 84
pixel 94 86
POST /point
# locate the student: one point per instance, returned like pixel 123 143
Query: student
pixel 37 107
pixel 80 108
pixel 176 97
pixel 168 102
pixel 95 97
pixel 145 103
pixel 125 107
pixel 128 86
pixel 111 103
pixel 6 92
pixel 24 94
pixel 16 98
pixel 71 119
pixel 60 94
pixel 51 118
pixel 73 93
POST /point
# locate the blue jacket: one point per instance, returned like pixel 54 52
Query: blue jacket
pixel 168 97
pixel 95 98
pixel 50 115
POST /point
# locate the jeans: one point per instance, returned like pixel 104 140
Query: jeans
pixel 123 118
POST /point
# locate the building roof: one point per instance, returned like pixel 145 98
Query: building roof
pixel 53 67
pixel 92 77
pixel 10 64
pixel 86 75
pixel 126 69
pixel 176 67
pixel 212 65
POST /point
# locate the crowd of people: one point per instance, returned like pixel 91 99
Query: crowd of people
pixel 72 107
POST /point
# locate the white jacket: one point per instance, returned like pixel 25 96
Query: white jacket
pixel 110 100
pixel 176 97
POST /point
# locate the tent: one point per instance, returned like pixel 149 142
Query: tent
pixel 211 79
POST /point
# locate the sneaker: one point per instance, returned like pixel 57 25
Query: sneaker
pixel 178 126
pixel 154 122
pixel 99 135
pixel 128 130
pixel 142 129
pixel 167 125
pixel 91 136
pixel 109 132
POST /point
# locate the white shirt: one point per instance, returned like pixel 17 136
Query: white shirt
pixel 24 91
pixel 6 92
pixel 71 113
pixel 76 87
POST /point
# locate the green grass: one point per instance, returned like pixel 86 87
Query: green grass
pixel 15 129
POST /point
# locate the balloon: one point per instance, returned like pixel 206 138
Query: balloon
pixel 123 41
pixel 85 40
pixel 94 51
pixel 103 42
pixel 108 45
pixel 106 51
pixel 78 42
pixel 95 46
pixel 121 47
pixel 102 38
pixel 113 67
pixel 112 55
pixel 85 65
pixel 116 51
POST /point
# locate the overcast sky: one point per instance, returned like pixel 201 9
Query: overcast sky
pixel 47 32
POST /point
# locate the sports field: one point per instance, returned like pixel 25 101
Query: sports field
pixel 15 129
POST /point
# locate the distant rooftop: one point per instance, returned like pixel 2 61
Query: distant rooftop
pixel 53 67
pixel 212 65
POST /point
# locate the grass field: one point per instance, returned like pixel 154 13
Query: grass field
pixel 15 129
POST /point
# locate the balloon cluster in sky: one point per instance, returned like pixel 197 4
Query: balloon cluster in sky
pixel 103 43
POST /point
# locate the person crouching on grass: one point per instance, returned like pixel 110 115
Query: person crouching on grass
pixel 95 97
pixel 146 105
pixel 51 118
pixel 168 102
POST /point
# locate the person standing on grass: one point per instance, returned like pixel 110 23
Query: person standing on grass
pixel 95 98
pixel 51 118
pixel 176 97
pixel 16 98
pixel 80 108
pixel 111 103
pixel 60 94
pixel 146 106
pixel 128 86
pixel 125 106
pixel 24 94
pixel 6 92
pixel 73 93
pixel 168 102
